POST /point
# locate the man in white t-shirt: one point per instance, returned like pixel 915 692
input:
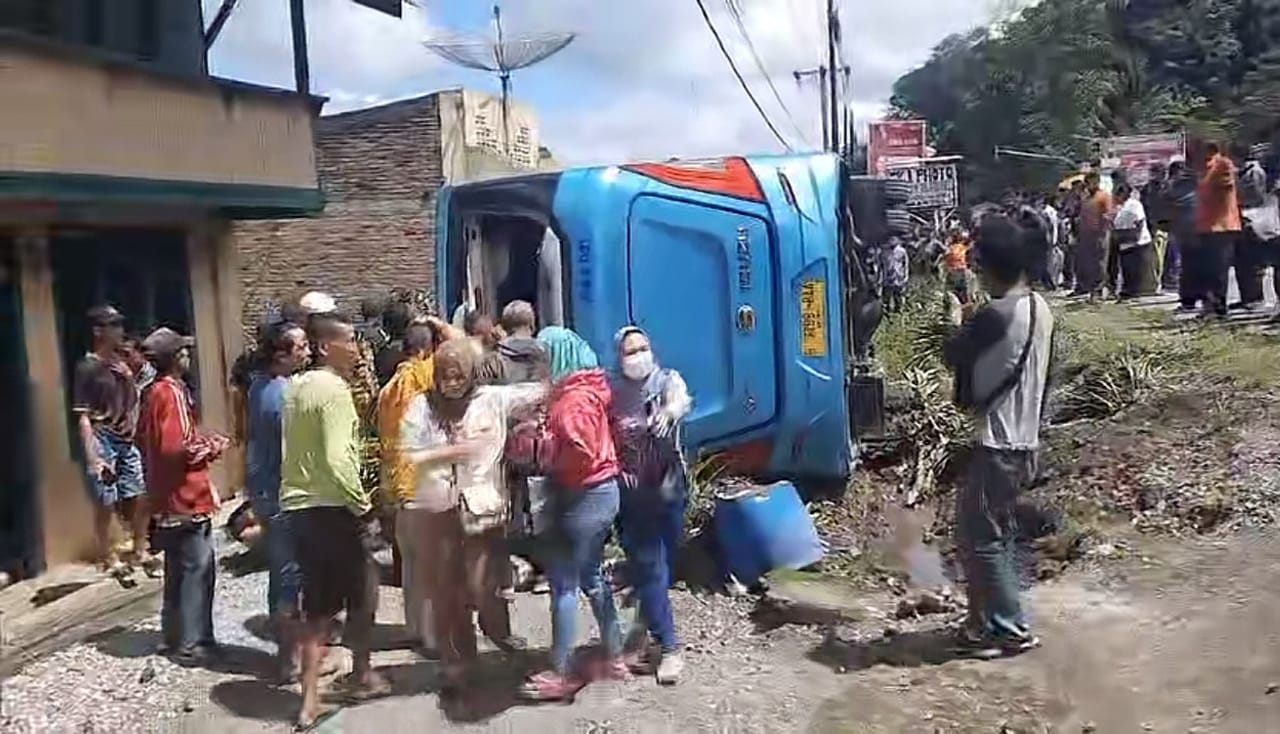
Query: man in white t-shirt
pixel 1056 255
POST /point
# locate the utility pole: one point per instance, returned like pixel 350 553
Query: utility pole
pixel 821 73
pixel 829 112
pixel 846 112
pixel 301 66
pixel 833 39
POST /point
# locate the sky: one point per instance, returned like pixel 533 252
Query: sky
pixel 642 79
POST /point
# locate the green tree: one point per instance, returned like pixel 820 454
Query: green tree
pixel 1062 73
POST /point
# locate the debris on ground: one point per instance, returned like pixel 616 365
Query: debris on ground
pixel 926 602
pixel 1154 430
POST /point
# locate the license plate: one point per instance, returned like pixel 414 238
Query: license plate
pixel 813 318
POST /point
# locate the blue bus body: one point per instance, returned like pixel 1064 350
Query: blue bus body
pixel 738 282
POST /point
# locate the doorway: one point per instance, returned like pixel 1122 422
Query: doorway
pixel 142 272
pixel 511 258
pixel 19 554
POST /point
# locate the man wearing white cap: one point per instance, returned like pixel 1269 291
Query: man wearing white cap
pixel 317 302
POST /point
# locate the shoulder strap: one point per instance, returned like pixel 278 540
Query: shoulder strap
pixel 1016 373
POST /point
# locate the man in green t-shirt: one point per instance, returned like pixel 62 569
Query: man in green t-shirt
pixel 326 508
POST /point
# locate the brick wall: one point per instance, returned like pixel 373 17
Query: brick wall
pixel 381 169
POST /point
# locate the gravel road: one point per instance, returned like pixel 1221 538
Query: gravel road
pixel 736 680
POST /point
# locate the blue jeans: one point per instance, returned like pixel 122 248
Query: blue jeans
pixel 651 532
pixel 125 460
pixel 186 615
pixel 284 578
pixel 987 534
pixel 583 518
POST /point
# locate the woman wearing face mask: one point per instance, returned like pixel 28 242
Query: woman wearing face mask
pixel 582 469
pixel 648 403
pixel 454 433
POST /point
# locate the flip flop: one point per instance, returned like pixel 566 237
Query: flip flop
pixel 360 692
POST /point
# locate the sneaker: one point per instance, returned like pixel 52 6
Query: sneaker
pixel 971 644
pixel 194 655
pixel 152 564
pixel 1017 644
pixel 551 686
pixel 113 566
pixel 670 668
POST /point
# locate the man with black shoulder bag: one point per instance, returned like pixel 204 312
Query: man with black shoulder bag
pixel 1001 356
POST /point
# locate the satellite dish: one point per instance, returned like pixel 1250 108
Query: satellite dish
pixel 390 7
pixel 501 55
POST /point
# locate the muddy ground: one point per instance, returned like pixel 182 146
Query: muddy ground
pixel 1175 637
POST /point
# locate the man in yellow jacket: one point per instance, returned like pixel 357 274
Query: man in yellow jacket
pixel 412 377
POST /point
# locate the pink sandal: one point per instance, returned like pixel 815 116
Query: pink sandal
pixel 551 686
pixel 615 668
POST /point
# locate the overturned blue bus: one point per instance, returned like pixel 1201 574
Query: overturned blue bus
pixel 746 272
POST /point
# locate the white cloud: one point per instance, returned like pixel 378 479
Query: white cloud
pixel 665 89
pixel 351 47
pixel 642 80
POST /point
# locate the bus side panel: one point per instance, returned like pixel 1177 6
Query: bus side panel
pixel 702 285
pixel 813 438
pixel 591 205
pixel 809 433
pixel 605 212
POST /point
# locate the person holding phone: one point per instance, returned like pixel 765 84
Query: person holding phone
pixel 105 402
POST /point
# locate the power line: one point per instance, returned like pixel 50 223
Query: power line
pixel 736 13
pixel 734 67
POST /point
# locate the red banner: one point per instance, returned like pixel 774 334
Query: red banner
pixel 894 141
pixel 1136 153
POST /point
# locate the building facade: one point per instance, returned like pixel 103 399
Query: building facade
pixel 381 169
pixel 122 167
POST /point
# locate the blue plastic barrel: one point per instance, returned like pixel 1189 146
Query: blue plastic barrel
pixel 760 528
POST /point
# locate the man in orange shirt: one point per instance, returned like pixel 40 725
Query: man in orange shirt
pixel 1218 227
pixel 1094 231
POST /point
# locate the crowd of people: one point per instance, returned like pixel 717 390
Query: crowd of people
pixel 491 430
pixel 485 432
pixel 1182 230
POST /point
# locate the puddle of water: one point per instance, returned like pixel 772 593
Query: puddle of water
pixel 908 551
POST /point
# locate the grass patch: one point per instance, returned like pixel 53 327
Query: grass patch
pixel 1097 332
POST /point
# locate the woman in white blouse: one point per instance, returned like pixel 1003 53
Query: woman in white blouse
pixel 455 434
pixel 1133 239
